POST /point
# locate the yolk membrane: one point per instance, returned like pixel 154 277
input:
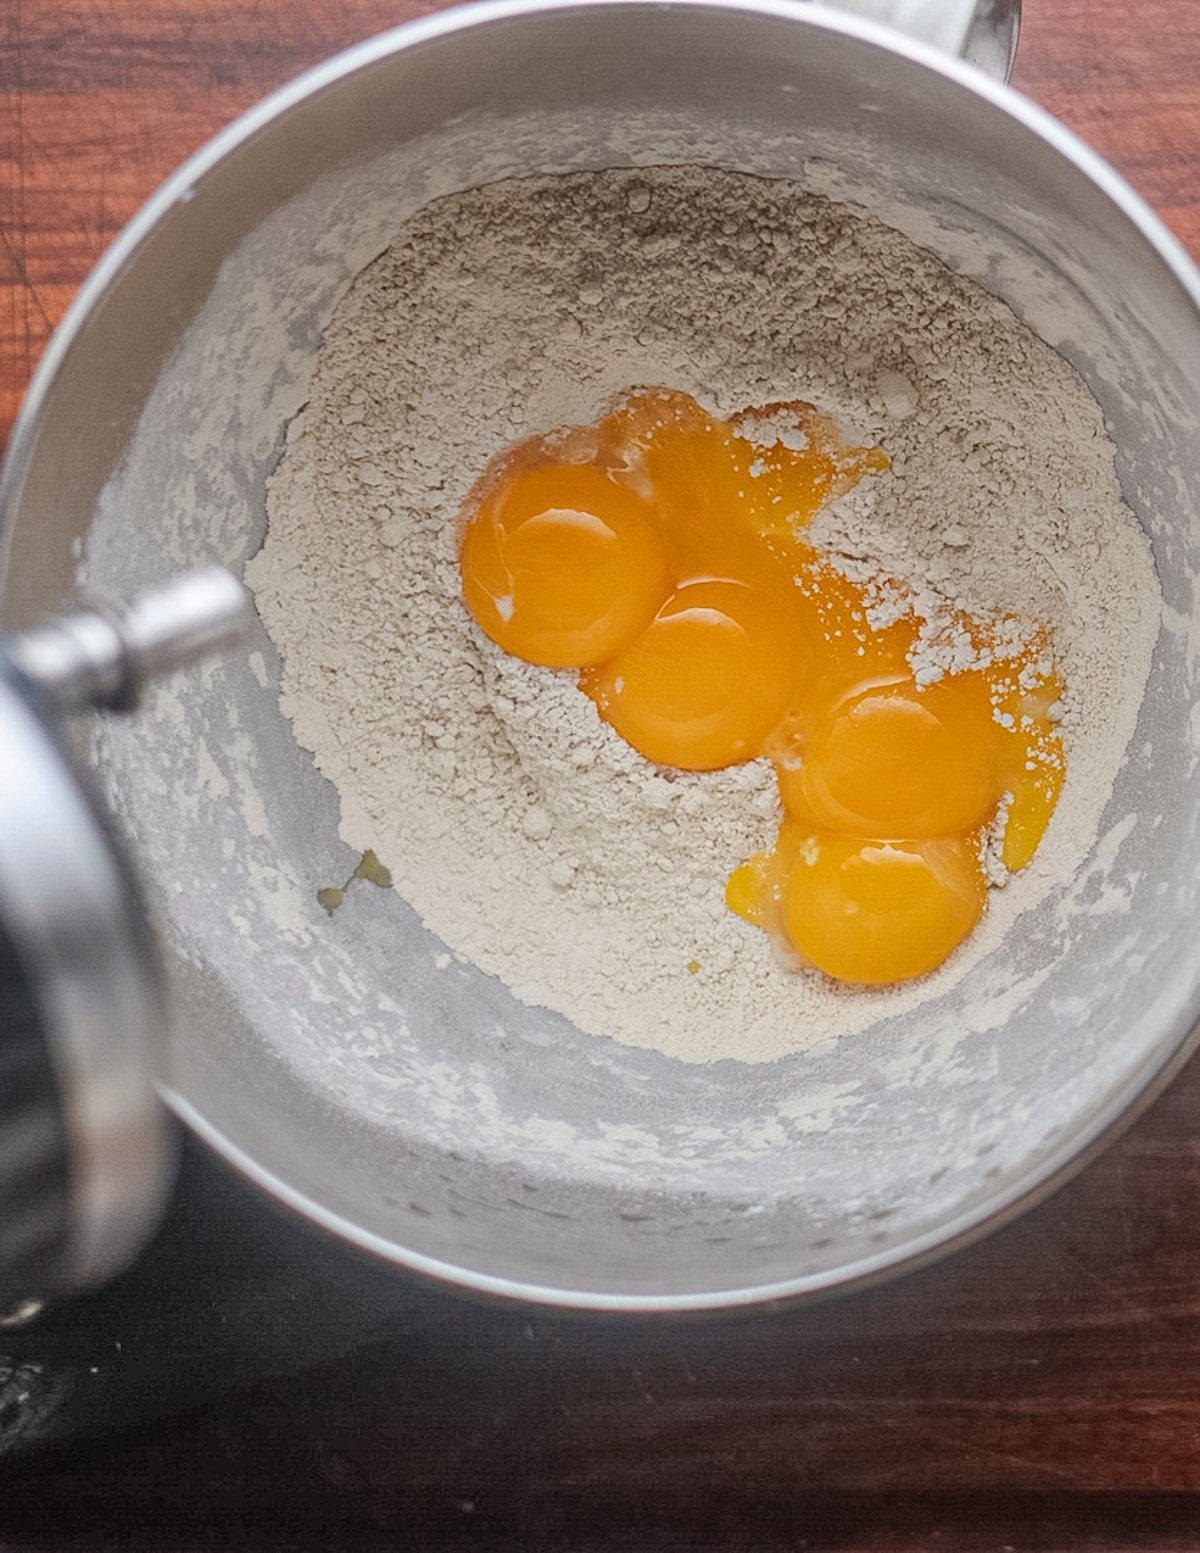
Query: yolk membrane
pixel 563 566
pixel 707 680
pixel 895 760
pixel 881 911
pixel 661 553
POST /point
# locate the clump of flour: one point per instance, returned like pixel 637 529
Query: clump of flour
pixel 523 829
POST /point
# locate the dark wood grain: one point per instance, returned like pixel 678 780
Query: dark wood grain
pixel 1039 1391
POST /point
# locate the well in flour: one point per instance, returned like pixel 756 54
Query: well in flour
pixel 527 834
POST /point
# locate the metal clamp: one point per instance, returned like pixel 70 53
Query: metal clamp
pixel 103 656
pixel 981 31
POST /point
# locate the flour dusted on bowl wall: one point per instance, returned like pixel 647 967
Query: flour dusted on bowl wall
pixel 525 831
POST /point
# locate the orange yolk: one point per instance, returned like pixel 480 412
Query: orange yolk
pixel 893 760
pixel 881 911
pixel 706 681
pixel 563 566
pixel 661 553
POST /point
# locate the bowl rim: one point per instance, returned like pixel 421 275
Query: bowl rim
pixel 1178 1036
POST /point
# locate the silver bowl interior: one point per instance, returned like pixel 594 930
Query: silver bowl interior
pixel 425 1113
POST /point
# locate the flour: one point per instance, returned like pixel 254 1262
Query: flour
pixel 527 834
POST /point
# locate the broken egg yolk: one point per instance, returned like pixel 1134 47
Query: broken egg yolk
pixel 661 553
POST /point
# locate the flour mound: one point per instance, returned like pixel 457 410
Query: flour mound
pixel 528 835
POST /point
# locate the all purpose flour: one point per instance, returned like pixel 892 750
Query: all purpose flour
pixel 525 832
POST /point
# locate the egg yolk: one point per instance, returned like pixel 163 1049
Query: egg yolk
pixel 562 566
pixel 661 553
pixel 895 760
pixel 706 681
pixel 875 912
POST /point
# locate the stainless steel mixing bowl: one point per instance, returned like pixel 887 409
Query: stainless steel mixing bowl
pixel 414 1107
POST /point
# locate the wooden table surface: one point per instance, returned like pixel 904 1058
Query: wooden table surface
pixel 1039 1391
